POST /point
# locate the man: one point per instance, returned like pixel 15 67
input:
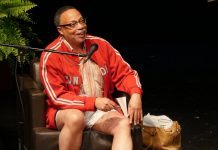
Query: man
pixel 80 93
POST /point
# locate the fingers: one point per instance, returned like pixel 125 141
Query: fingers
pixel 135 116
pixel 131 113
pixel 136 121
pixel 141 116
pixel 113 104
pixel 107 105
pixel 135 109
pixel 117 108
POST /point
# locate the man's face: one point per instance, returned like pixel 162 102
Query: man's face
pixel 73 27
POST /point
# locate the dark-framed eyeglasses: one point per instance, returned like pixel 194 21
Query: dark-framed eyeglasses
pixel 74 23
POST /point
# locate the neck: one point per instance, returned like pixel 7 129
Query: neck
pixel 76 47
pixel 79 48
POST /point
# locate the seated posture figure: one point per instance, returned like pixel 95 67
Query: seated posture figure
pixel 79 92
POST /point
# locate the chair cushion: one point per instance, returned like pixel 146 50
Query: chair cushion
pixel 45 139
pixel 94 140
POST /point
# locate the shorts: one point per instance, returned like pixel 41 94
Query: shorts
pixel 91 117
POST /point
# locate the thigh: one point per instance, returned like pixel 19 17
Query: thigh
pixel 108 122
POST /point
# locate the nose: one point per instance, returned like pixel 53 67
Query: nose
pixel 80 25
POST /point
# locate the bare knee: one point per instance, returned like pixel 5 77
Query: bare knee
pixel 123 125
pixel 75 119
pixel 71 118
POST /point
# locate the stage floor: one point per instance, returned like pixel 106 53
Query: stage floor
pixel 197 115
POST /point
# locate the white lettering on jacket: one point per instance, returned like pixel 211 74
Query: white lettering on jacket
pixel 104 70
pixel 72 80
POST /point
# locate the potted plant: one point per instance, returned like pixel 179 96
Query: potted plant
pixel 15 28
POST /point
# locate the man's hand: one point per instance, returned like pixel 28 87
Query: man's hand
pixel 135 109
pixel 105 104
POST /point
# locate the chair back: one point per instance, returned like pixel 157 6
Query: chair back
pixel 34 72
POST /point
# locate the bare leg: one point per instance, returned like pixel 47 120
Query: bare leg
pixel 117 125
pixel 71 123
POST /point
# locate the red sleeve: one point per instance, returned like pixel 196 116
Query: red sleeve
pixel 125 78
pixel 54 86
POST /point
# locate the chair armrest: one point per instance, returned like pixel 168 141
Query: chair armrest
pixel 37 107
pixel 33 101
pixel 136 132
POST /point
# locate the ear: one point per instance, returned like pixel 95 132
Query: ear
pixel 60 30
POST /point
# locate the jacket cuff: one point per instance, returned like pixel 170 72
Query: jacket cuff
pixel 90 103
pixel 136 90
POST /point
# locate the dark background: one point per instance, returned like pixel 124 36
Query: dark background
pixel 173 44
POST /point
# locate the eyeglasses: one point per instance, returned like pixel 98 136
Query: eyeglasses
pixel 74 23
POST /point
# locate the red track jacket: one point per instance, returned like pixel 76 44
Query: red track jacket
pixel 62 80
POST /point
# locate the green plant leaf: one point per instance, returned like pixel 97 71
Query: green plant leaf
pixel 14 28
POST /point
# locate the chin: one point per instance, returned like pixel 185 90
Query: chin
pixel 81 40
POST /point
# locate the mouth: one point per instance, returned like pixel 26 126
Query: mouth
pixel 81 34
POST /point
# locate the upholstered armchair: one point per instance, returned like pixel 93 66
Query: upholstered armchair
pixel 37 137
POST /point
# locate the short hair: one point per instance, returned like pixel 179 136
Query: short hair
pixel 59 12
